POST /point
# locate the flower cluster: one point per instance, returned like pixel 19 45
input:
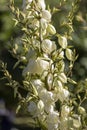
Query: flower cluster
pixel 45 71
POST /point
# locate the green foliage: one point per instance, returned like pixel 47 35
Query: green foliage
pixel 47 61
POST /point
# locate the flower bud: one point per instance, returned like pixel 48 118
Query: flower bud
pixel 69 54
pixel 51 29
pixel 63 78
pixel 81 110
pixel 62 42
pixel 65 111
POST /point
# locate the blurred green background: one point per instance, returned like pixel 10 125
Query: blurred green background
pixel 7 30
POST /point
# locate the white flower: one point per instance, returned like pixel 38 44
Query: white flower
pixel 66 93
pixel 65 111
pixel 46 96
pixel 36 109
pixel 32 108
pixel 62 42
pixel 34 24
pixel 49 108
pixel 63 94
pixel 46 15
pixel 43 23
pixel 41 4
pixel 53 121
pixel 38 84
pixel 42 65
pixel 36 66
pixel 48 46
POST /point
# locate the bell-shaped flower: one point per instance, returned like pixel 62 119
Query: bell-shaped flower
pixel 49 107
pixel 48 46
pixel 43 23
pixel 65 111
pixel 46 96
pixel 38 84
pixel 36 66
pixel 36 109
pixel 63 94
pixel 32 108
pixel 46 15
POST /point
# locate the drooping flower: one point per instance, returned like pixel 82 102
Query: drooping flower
pixel 36 66
pixel 48 46
pixel 46 15
pixel 62 93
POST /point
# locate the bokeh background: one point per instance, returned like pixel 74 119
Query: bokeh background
pixel 7 31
